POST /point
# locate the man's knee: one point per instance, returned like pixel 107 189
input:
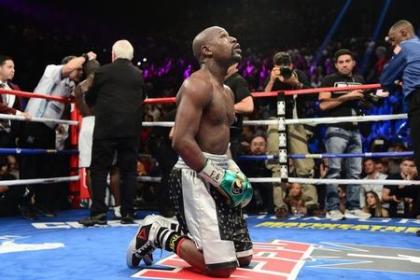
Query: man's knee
pixel 244 261
pixel 221 272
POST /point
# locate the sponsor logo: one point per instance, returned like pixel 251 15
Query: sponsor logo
pixel 284 259
pixel 8 245
pixel 337 226
pixel 271 261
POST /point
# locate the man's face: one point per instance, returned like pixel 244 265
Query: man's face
pixel 396 36
pixel 7 70
pixel 345 64
pixel 380 167
pixel 258 146
pixel 225 48
pixel 408 168
pixel 369 167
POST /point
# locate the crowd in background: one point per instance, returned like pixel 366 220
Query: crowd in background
pixel 165 63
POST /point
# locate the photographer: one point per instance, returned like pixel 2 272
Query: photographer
pixel 285 77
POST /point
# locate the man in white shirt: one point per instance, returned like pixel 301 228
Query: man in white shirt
pixel 57 80
pixel 371 173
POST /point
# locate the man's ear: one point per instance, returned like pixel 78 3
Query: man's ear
pixel 206 51
pixel 404 33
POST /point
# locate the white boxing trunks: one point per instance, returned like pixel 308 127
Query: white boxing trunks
pixel 216 227
pixel 85 141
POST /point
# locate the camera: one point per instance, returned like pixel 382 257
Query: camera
pixel 286 72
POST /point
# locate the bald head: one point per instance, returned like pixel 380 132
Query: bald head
pixel 403 24
pixel 400 31
pixel 202 39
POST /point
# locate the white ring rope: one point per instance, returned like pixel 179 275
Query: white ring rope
pixel 36 119
pixel 312 181
pixel 39 181
pixel 306 121
pixel 346 119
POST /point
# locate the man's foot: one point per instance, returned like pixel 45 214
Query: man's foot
pixel 128 219
pixel 356 214
pixel 145 241
pixel 142 245
pixel 99 219
pixel 334 215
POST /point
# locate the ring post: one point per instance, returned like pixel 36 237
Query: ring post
pixel 281 115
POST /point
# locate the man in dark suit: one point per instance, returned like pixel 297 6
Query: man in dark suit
pixel 9 104
pixel 116 95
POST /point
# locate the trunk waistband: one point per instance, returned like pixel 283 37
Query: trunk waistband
pixel 220 160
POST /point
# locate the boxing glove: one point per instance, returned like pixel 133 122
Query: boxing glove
pixel 231 182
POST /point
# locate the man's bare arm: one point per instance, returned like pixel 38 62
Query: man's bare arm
pixel 244 106
pixel 328 103
pixel 193 96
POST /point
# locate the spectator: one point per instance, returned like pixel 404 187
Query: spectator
pixel 12 198
pixel 371 173
pixel 285 77
pixel 373 205
pixel 343 137
pixel 381 166
pixel 400 197
pixel 9 103
pixel 160 147
pixel 244 104
pixel 296 200
pixel 342 197
pixel 394 163
pixel 262 200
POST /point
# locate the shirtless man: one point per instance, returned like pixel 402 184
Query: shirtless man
pixel 207 189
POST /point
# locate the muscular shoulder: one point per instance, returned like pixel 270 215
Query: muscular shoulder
pixel 196 88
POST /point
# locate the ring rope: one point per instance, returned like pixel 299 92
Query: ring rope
pixel 305 121
pixel 346 119
pixel 326 155
pixel 173 99
pixel 24 151
pixel 36 119
pixel 39 181
pixel 329 89
pixel 36 95
pixel 311 181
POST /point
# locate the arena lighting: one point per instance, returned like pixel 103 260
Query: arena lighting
pixel 331 32
pixel 378 27
pixel 145 59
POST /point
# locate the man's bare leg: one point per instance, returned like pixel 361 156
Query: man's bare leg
pixel 188 252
